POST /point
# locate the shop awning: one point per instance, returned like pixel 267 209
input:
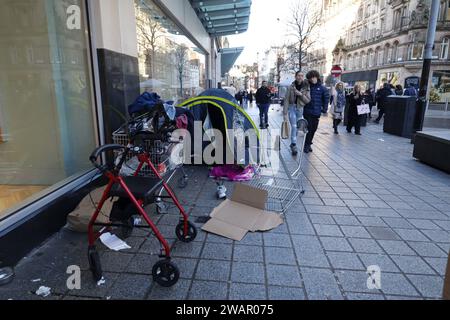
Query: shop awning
pixel 223 17
pixel 229 57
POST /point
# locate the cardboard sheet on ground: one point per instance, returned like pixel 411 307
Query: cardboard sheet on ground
pixel 244 212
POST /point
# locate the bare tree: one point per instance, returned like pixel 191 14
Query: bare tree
pixel 150 31
pixel 303 24
pixel 181 61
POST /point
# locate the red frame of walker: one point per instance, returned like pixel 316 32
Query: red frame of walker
pixel 113 179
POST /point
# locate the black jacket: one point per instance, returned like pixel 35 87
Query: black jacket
pixel 354 103
pixel 263 95
pixel 382 96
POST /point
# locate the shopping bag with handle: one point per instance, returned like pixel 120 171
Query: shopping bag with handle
pixel 285 130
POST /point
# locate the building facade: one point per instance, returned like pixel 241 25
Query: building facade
pixel 69 69
pixel 385 43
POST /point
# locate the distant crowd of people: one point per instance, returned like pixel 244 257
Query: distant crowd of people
pixel 309 98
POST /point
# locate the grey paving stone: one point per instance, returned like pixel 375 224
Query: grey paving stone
pixel 213 270
pixel 427 249
pixel 322 219
pixel 286 293
pixel 334 202
pixel 178 292
pixel 365 245
pixel 212 238
pixel 412 265
pixel 328 230
pixel 115 261
pixel 375 212
pixel 187 250
pixel 348 196
pixel 277 240
pixel 208 290
pixel 396 247
pixel 336 244
pixel 398 223
pixel 248 253
pixel 283 275
pixel 254 239
pixel 130 287
pixel 284 256
pixel 383 261
pixel 142 264
pixel 355 281
pixel 345 260
pixel 364 296
pixel 428 286
pixel 217 251
pixel 372 222
pixel 346 221
pixel 381 233
pixel 397 284
pixel 438 235
pixel 410 235
pixel 438 264
pixel 321 284
pixel 355 232
pixel 248 272
pixel 242 292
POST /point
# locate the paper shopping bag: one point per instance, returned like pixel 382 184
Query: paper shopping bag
pixel 285 130
pixel 363 109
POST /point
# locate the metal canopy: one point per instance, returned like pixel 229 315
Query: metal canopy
pixel 229 57
pixel 223 17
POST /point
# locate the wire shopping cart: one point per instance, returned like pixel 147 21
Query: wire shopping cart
pixel 283 192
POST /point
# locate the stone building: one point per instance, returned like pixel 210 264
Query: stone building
pixel 385 43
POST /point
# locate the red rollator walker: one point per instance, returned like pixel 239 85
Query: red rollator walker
pixel 134 193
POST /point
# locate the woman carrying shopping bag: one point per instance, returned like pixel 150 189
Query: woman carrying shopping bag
pixel 297 96
pixel 356 100
pixel 338 105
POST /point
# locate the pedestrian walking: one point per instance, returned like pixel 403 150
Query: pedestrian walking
pixel 263 101
pixel 355 99
pixel 250 97
pixel 338 102
pixel 320 99
pixel 410 91
pixel 381 100
pixel 297 97
pixel 399 90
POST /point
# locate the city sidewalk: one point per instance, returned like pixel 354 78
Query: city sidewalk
pixel 367 202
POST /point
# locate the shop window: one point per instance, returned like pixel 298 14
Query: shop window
pixel 169 63
pixel 46 114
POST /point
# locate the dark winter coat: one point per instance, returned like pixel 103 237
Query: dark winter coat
pixel 263 95
pixel 382 96
pixel 320 99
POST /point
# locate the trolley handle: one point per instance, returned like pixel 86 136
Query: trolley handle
pixel 102 149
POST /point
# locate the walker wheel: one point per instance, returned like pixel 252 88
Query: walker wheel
pixel 183 182
pixel 94 264
pixel 165 273
pixel 191 235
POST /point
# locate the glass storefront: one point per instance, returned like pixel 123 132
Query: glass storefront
pixel 169 63
pixel 47 128
pixel 440 88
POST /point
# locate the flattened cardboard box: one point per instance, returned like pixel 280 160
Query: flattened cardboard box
pixel 244 212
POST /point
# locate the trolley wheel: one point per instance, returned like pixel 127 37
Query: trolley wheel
pixel 126 230
pixel 165 273
pixel 94 264
pixel 161 208
pixel 183 182
pixel 190 236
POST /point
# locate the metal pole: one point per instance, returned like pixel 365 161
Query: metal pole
pixel 428 55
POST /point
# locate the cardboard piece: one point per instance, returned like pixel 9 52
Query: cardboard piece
pixel 244 212
pixel 78 220
pixel 446 292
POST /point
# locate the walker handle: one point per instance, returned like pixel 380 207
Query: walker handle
pixel 102 149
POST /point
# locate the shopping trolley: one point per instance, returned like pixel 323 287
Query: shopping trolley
pixel 283 192
pixel 134 193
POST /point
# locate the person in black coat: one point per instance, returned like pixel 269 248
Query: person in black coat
pixel 355 99
pixel 370 100
pixel 263 101
pixel 381 100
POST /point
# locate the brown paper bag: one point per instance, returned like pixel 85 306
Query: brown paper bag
pixel 285 130
pixel 446 293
